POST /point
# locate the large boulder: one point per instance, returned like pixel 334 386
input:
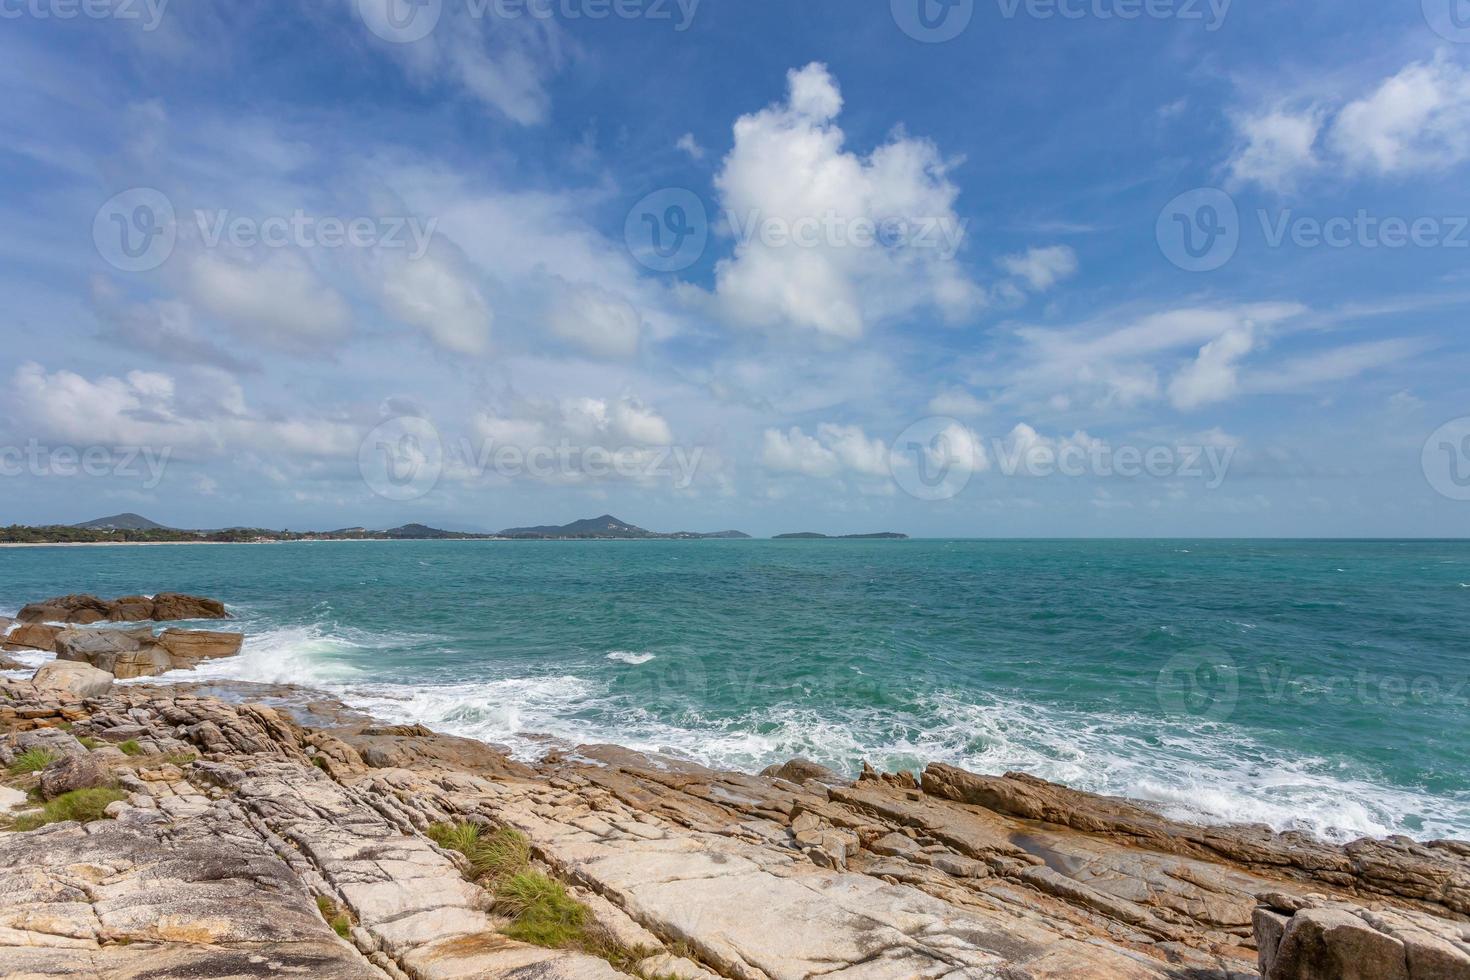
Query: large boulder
pixel 79 608
pixel 105 649
pixel 52 740
pixel 172 606
pixel 82 680
pixel 84 610
pixel 73 772
pixel 127 653
pixel 32 636
pixel 188 647
pixel 1312 938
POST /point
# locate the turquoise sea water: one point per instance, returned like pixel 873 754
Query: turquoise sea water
pixel 1314 685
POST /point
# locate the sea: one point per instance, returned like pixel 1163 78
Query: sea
pixel 1319 686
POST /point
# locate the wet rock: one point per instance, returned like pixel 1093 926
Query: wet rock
pixel 32 636
pixel 128 653
pixel 87 609
pixel 192 646
pixel 800 770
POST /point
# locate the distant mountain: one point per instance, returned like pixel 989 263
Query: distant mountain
pixel 606 526
pixel 814 536
pixel 122 522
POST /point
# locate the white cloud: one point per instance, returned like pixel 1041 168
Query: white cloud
pixel 580 422
pixel 796 452
pixel 1042 268
pixel 957 402
pixel 1278 147
pixel 1213 375
pixel 278 299
pixel 691 146
pixel 436 293
pixel 854 450
pixel 200 414
pixel 1108 364
pixel 1418 120
pixel 596 320
pixel 504 63
pixel 788 168
pixel 834 449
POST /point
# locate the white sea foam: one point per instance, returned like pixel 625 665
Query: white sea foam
pixel 1197 771
pixel 627 657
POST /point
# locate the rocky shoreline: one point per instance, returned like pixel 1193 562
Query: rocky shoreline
pixel 221 837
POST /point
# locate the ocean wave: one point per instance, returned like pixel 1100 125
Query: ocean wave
pixel 628 657
pixel 1189 769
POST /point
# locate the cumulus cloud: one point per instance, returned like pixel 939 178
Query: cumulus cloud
pixel 834 449
pixel 1277 147
pixel 437 294
pixel 277 298
pixel 203 414
pixel 1415 121
pixel 805 257
pixel 691 146
pixel 1213 375
pixel 596 320
pixel 1042 268
pixel 581 422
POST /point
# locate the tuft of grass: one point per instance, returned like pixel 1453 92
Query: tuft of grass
pixel 336 917
pixel 320 761
pixel 89 743
pixel 543 913
pixel 131 747
pixel 32 760
pixel 81 805
pixel 500 854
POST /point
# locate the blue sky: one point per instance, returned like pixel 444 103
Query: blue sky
pixel 1086 267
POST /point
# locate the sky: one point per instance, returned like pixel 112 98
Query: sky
pixel 971 268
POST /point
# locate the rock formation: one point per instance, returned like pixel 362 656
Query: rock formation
pixel 166 607
pixel 236 825
pixel 127 653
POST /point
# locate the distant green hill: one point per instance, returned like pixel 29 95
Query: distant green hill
pixel 122 522
pixel 606 527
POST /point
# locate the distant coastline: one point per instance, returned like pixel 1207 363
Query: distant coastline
pixel 134 529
